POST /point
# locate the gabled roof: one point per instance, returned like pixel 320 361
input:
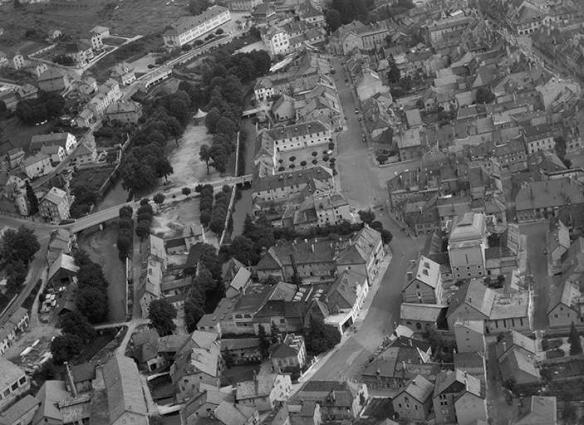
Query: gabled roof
pixel 427 272
pixel 512 340
pixel 419 388
pixel 63 262
pixel 474 294
pixel 421 312
pixel 50 394
pixel 14 413
pixel 540 411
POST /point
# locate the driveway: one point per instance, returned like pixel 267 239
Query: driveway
pixel 537 266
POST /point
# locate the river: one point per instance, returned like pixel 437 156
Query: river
pixel 115 196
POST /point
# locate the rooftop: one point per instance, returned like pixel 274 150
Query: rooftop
pixel 186 23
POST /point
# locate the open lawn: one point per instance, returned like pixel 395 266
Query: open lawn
pixel 13 133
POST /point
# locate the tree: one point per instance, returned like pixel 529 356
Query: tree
pixel 321 338
pixel 205 155
pixel 196 7
pixel 66 347
pixel 33 201
pixel 18 245
pixel 186 191
pixel 367 216
pixel 386 236
pixel 143 229
pixel 570 413
pixel 333 20
pixel 242 249
pixel 124 245
pixel 376 225
pixel 264 342
pixel 92 303
pixel 194 310
pixel 574 340
pixel 159 198
pixel 175 128
pixel 484 95
pixel 394 74
pixel 16 273
pixel 161 314
pixel 126 212
pixel 75 323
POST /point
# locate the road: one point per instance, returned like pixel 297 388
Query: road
pixel 361 181
pixel 364 185
pixel 537 266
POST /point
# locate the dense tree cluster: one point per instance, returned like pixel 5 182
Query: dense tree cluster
pixel 224 94
pixel 33 201
pixel 65 60
pixel 197 7
pixel 162 314
pixel 205 203
pixel 125 232
pixel 92 299
pixel 144 217
pixel 85 199
pixel 219 212
pixel 76 332
pixel 45 107
pixel 320 337
pixel 560 148
pixel 17 249
pixel 574 340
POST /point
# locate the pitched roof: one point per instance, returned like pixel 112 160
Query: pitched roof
pixel 474 294
pixel 548 194
pixel 186 23
pixel 427 272
pixel 55 196
pixel 419 388
pixel 540 411
pixel 261 386
pixel 15 412
pixel 63 262
pixel 50 394
pixel 83 372
pixel 421 312
pixel 513 339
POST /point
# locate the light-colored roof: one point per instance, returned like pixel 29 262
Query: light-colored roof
pixel 124 388
pixel 421 312
pixel 15 412
pixel 55 196
pixel 10 373
pixel 420 388
pixel 514 339
pixel 477 326
pixel 474 294
pixel 65 262
pixel 157 247
pixel 241 279
pixel 187 23
pixel 542 411
pixel 35 158
pixel 548 194
pixel 427 272
pixel 470 226
pixel 261 386
pixel 51 393
pixel 234 414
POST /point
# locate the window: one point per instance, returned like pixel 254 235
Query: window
pixel 22 380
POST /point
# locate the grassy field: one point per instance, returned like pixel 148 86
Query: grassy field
pixel 125 18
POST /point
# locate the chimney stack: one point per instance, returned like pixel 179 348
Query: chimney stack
pixel 70 379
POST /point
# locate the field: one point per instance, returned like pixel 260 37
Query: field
pixel 125 18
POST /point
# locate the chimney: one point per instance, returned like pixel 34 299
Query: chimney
pixel 410 275
pixel 312 248
pixel 414 382
pixel 70 379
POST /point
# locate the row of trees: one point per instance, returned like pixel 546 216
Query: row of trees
pixel 125 232
pixel 368 217
pixel 76 332
pixel 219 212
pixel 45 107
pixel 144 218
pixel 92 299
pixel 205 203
pixel 224 92
pixel 341 12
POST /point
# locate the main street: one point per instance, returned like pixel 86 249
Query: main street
pixel 363 183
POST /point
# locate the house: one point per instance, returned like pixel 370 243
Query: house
pixel 357 35
pixel 538 410
pixel 118 394
pixel 414 402
pixel 242 5
pixel 21 412
pixel 516 356
pixel 82 377
pixel 271 85
pixel 470 336
pixel 37 165
pixel 188 29
pixel 15 156
pixel 422 317
pixel 55 153
pixel 345 298
pixel 61 241
pixel 277 41
pixel 423 283
pixel 53 80
pixel 558 241
pixel 500 312
pixel 85 118
pixel 338 400
pixel 264 391
pixel 410 144
pixel 565 305
pixel 124 111
pixel 283 108
pixel 241 351
pixel 84 154
pixel 11 327
pixel 211 407
pixel 459 397
pixel 466 246
pixel 54 207
pixel 13 383
pixel 101 31
pixel 154 262
pixel 403 359
pixel 198 362
pixel 80 51
pixel 65 140
pixel 123 73
pixel 62 272
pixel 538 138
pixel 538 200
pixel 50 395
pixel 474 363
pixel 289 354
pixel 54 34
pixel 145 350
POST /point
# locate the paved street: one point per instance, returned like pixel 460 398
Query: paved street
pixel 364 183
pixel 537 266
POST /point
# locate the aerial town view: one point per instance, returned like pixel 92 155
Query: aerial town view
pixel 291 212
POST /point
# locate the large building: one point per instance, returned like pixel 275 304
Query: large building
pixel 13 383
pixel 54 207
pixel 189 28
pixel 467 245
pixel 65 140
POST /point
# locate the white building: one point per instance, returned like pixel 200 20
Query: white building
pixel 37 165
pixel 466 246
pixel 277 41
pixel 189 28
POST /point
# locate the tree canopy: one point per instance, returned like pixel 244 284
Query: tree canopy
pixel 18 245
pixel 321 338
pixel 161 314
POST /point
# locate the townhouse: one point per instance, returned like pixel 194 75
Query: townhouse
pixel 414 402
pixel 13 383
pixel 516 355
pixel 264 391
pixel 467 244
pixel 423 283
pixel 54 207
pixel 124 111
pixel 357 35
pixel 65 140
pixel 12 327
pixel 53 80
pixel 189 28
pixel 37 165
pixel 539 200
pixel 289 355
pixel 459 398
pixel 277 40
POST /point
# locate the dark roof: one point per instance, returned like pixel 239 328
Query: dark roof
pixel 83 372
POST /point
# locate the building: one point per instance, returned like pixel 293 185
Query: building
pixel 459 398
pixel 538 410
pixel 414 402
pixel 53 80
pixel 198 362
pixel 124 111
pixel 295 137
pixel 119 395
pixel 21 412
pixel 264 391
pixel 466 246
pixel 13 383
pixel 565 305
pixel 276 40
pixel 54 207
pixel 538 138
pixel 82 377
pixel 80 51
pixel 242 5
pixel 55 153
pixel 357 35
pixel 545 199
pixel 423 283
pixel 516 356
pixel 15 156
pixel 409 144
pixel 50 395
pixel 37 165
pixel 558 242
pixel 288 355
pixel 65 140
pixel 338 400
pixel 123 73
pixel 422 317
pixel 188 29
pixel 470 336
pixel 84 154
pixel 12 327
pixel 213 407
